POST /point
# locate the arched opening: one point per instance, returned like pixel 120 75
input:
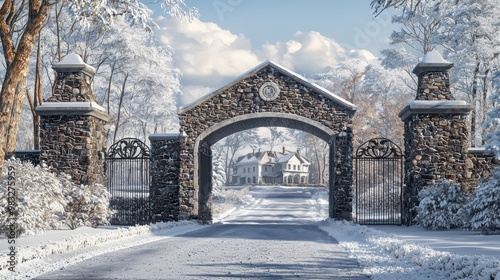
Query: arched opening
pixel 296 179
pixel 249 121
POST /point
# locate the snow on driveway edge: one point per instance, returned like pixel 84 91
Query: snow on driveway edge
pixel 80 241
pixel 385 257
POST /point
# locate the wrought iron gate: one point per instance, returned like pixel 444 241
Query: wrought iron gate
pixel 379 183
pixel 127 174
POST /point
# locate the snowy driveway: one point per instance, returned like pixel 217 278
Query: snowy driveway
pixel 274 238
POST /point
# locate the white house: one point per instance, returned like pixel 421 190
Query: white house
pixel 271 167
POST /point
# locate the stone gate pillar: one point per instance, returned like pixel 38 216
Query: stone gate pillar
pixel 436 131
pixel 341 164
pixel 73 127
pixel 165 171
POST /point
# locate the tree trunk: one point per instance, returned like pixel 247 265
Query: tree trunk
pixel 484 106
pixel 38 99
pixel 227 167
pixel 122 94
pixel 474 105
pixel 17 64
pixel 109 84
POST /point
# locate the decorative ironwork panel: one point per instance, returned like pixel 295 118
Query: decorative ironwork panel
pixel 379 182
pixel 128 181
pixel 129 148
pixel 378 148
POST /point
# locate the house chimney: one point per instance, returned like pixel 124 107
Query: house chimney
pixel 284 151
pixel 298 151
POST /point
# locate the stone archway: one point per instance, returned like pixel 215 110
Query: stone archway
pixel 268 95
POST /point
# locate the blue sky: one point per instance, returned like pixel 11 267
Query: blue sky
pixel 233 36
pixel 350 23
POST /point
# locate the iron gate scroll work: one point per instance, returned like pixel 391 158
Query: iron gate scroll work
pixel 379 183
pixel 127 174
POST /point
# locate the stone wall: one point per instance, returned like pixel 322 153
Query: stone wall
pixel 437 146
pixel 75 145
pixel 32 156
pixel 242 98
pixel 342 192
pixel 436 133
pixel 72 87
pixel 434 86
pixel 165 170
pixel 478 166
pixel 73 127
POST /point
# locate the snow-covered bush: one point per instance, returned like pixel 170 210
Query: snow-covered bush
pixel 228 199
pixel 38 197
pixel 493 123
pixel 484 207
pixel 86 205
pixel 218 174
pixel 44 201
pixel 441 206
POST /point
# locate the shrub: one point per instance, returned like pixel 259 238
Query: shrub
pixel 228 199
pixel 45 201
pixel 39 199
pixel 484 207
pixel 441 206
pixel 86 205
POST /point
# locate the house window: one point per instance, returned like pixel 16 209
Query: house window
pixel 243 170
pixel 265 168
pixel 289 166
pixel 254 180
pixel 294 167
pixel 249 180
pixel 254 169
pixel 249 170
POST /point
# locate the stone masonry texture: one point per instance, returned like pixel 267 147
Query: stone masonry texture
pixel 242 98
pixel 74 144
pixel 437 142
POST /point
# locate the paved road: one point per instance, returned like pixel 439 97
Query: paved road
pixel 274 239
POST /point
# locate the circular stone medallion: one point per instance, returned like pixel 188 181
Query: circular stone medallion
pixel 269 91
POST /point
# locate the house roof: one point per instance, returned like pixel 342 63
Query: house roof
pixel 287 72
pixel 289 156
pixel 274 157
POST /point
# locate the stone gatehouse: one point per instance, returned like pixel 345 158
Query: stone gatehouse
pixel 268 95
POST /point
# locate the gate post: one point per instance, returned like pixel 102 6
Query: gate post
pixel 436 132
pixel 73 127
pixel 341 176
pixel 165 172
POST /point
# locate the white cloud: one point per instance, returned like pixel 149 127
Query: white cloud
pixel 210 56
pixel 307 53
pixel 207 55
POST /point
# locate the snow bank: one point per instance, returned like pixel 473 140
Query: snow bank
pixel 386 257
pixel 80 241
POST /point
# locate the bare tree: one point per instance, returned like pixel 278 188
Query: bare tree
pixel 17 53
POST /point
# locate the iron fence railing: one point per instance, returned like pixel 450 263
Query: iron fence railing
pixel 378 183
pixel 128 182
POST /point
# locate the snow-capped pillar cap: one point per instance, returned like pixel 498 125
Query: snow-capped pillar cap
pixel 432 62
pixel 73 63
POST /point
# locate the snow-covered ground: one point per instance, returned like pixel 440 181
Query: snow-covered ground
pixel 385 252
